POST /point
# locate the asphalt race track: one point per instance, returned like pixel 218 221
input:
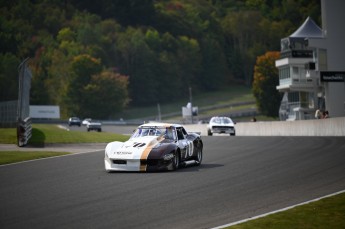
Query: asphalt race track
pixel 240 177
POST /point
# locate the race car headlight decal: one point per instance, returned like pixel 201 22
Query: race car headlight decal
pixel 106 156
pixel 168 157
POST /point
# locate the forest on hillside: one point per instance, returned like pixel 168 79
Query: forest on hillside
pixel 95 58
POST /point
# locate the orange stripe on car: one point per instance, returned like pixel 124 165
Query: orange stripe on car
pixel 147 151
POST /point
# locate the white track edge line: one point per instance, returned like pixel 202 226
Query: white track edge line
pixel 46 158
pixel 277 211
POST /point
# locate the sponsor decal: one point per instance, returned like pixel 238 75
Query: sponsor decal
pixel 332 76
pixel 123 153
pixel 138 144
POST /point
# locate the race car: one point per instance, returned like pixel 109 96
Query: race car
pixel 221 125
pixel 92 125
pixel 155 147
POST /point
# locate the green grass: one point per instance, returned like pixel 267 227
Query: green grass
pixel 228 95
pixel 48 133
pixel 325 213
pixel 227 109
pixel 8 135
pixel 7 157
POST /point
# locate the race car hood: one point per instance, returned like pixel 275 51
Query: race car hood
pixel 136 148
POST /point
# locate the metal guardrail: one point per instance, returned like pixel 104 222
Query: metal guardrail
pixel 24 128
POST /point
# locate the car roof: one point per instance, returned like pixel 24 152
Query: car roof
pixel 159 124
pixel 221 117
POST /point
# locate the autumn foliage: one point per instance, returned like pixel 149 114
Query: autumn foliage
pixel 266 79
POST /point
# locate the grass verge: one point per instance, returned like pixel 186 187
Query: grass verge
pixel 46 133
pixel 228 95
pixel 8 157
pixel 325 213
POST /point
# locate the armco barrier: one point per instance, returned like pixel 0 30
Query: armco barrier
pixel 317 127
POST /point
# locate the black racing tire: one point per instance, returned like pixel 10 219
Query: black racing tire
pixel 209 133
pixel 176 161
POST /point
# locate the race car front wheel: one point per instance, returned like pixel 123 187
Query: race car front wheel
pixel 176 161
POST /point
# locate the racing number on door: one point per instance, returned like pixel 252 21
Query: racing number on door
pixel 189 149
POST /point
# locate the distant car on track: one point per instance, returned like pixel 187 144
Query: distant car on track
pixel 74 121
pixel 94 126
pixel 155 147
pixel 86 121
pixel 221 125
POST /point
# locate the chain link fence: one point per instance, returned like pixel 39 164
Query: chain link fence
pixel 8 114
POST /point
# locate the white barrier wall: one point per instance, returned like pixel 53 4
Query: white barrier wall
pixel 317 127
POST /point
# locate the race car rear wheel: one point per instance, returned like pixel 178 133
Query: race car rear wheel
pixel 198 157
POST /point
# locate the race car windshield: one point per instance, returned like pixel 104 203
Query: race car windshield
pixel 222 120
pixel 154 131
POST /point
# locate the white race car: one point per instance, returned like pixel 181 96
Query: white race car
pixel 154 147
pixel 221 125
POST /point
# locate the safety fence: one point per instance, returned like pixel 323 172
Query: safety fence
pixel 8 114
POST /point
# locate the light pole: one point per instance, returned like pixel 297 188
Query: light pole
pixel 159 112
pixel 191 104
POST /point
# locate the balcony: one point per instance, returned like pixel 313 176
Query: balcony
pixel 295 79
pixel 296 83
pixel 296 54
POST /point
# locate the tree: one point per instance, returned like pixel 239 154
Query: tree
pixel 106 95
pixel 264 85
pixel 138 62
pixel 83 68
pixel 209 44
pixel 8 77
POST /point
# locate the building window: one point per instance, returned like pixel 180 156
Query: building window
pixel 311 100
pixel 304 96
pixel 284 73
pixel 295 72
pixel 293 97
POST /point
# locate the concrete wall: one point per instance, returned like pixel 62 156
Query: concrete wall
pixel 321 127
pixel 332 23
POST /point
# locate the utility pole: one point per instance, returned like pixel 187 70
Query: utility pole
pixel 191 104
pixel 159 112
